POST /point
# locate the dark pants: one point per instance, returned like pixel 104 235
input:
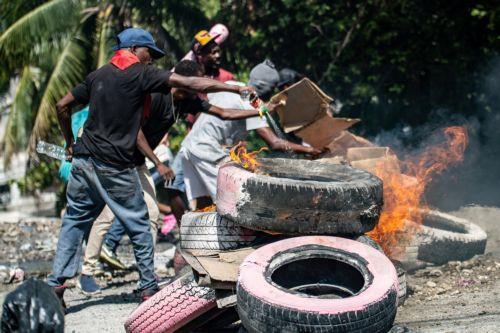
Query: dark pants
pixel 93 184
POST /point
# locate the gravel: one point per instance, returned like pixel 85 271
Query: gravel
pixel 455 297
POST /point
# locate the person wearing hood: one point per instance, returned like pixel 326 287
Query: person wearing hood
pixel 209 140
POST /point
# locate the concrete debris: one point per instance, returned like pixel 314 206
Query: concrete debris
pixel 453 278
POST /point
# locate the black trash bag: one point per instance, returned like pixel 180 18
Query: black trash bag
pixel 32 307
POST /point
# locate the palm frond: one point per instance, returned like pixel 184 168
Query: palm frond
pixel 104 36
pixel 48 22
pixel 69 70
pixel 21 113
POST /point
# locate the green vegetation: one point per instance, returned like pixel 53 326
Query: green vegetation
pixel 388 62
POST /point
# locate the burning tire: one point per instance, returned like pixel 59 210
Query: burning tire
pixel 172 307
pixel 300 197
pixel 443 237
pixel 210 231
pixel 317 284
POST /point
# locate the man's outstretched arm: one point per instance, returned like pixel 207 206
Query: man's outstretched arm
pixel 204 85
pixel 231 114
pixel 276 143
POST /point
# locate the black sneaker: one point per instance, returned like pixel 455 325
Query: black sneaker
pixel 110 258
pixel 59 291
pixel 148 293
pixel 87 285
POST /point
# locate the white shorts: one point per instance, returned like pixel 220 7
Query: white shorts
pixel 200 177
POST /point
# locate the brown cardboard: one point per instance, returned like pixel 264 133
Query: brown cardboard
pixel 372 159
pixel 303 103
pixel 388 164
pixel 323 130
pixel 344 141
pixel 219 270
pixel 366 153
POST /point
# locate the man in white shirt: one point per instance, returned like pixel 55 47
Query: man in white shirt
pixel 210 139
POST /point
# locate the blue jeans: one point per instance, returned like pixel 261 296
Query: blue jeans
pixel 93 184
pixel 178 183
pixel 114 235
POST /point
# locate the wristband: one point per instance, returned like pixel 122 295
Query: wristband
pixel 261 114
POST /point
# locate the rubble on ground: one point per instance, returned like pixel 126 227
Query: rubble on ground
pixel 453 278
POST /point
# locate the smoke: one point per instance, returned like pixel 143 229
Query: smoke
pixel 477 179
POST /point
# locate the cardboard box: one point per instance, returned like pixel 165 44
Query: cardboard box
pixel 305 110
pixel 322 131
pixel 373 158
pixel 345 140
pixel 366 153
pixel 302 103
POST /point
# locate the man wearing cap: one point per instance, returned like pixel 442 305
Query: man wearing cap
pixel 103 170
pixel 207 143
pixel 207 53
pixel 166 109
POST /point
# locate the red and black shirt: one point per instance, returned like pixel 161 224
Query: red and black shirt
pixel 117 94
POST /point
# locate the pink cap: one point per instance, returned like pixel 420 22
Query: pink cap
pixel 221 31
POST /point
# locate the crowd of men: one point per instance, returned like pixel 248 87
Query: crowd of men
pixel 131 106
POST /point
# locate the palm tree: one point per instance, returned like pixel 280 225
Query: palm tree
pixel 49 46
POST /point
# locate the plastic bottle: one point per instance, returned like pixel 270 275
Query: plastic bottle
pixel 51 150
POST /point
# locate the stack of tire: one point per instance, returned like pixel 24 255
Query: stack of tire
pixel 320 279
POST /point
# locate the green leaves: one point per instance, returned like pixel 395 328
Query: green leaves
pixel 47 23
pixel 70 68
pixel 21 112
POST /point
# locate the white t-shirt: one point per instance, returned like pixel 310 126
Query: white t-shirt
pixel 211 137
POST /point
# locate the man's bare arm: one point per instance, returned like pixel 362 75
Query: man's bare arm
pixel 145 149
pixel 64 117
pixel 276 143
pixel 232 114
pixel 204 85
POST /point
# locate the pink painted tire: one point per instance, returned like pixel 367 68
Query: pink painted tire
pixel 317 284
pixel 300 197
pixel 172 307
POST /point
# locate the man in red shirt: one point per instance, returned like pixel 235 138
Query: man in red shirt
pixel 208 54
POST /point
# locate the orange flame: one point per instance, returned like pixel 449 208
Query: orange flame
pixel 247 160
pixel 403 193
pixel 211 208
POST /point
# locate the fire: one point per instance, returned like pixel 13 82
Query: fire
pixel 247 160
pixel 211 208
pixel 403 193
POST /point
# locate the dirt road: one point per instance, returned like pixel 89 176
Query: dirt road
pixel 444 299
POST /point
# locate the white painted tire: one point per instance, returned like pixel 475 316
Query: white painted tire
pixel 210 231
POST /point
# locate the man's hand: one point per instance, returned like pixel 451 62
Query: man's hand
pixel 247 92
pixel 165 171
pixel 315 152
pixel 272 105
pixel 69 153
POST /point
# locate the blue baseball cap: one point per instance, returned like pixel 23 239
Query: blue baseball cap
pixel 138 37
